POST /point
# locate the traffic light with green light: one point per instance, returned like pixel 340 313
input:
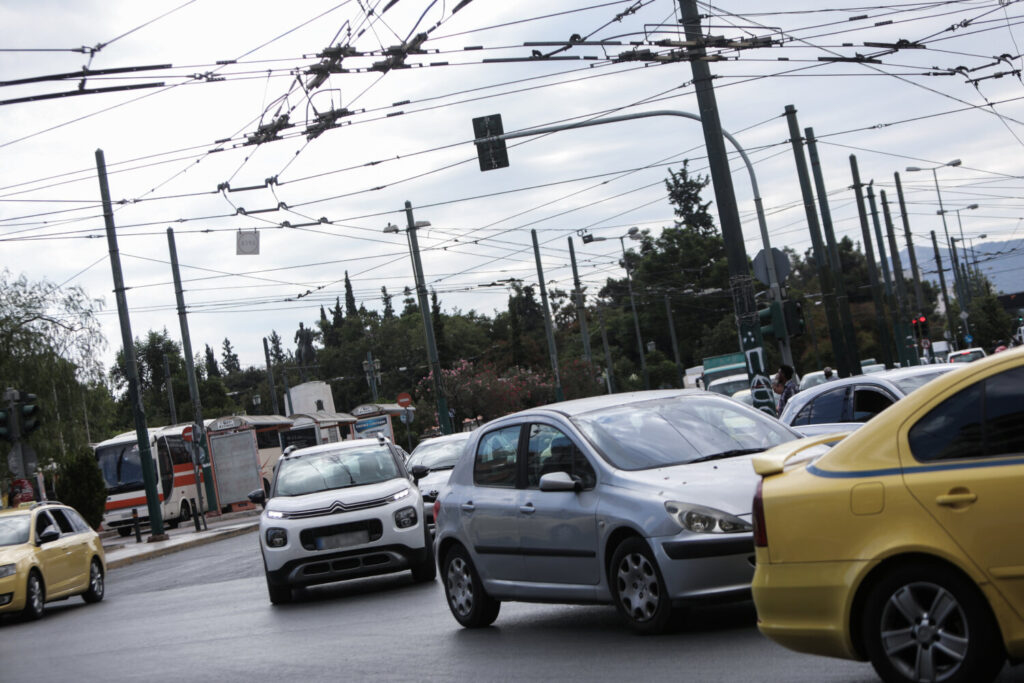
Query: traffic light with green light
pixel 793 313
pixel 772 324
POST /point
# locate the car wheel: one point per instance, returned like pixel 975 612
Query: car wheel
pixel 638 589
pixel 470 604
pixel 186 512
pixel 925 623
pixel 279 595
pixel 35 597
pixel 426 570
pixel 96 582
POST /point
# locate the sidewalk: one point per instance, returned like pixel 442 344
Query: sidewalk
pixel 124 550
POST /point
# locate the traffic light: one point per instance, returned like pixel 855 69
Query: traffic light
pixel 28 411
pixel 772 323
pixel 793 312
pixel 916 324
pixel 6 431
pixel 923 326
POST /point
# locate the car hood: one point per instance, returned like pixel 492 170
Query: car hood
pixel 727 485
pixel 352 495
pixel 14 553
pixel 434 481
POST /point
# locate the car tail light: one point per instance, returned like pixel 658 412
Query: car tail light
pixel 760 532
pixel 437 509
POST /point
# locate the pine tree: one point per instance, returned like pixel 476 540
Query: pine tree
pixel 350 299
pixel 276 350
pixel 211 363
pixel 389 311
pixel 229 358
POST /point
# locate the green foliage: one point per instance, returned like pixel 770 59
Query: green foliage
pixel 80 484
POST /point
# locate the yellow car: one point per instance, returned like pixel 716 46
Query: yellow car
pixel 903 543
pixel 47 552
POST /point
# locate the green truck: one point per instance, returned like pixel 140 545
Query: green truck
pixel 723 366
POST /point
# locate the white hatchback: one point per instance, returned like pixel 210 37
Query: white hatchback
pixel 341 511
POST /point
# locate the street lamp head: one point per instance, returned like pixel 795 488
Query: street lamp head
pixel 982 236
pixel 972 206
pixel 634 233
pixel 911 169
pixel 955 162
pixel 422 224
pixel 391 227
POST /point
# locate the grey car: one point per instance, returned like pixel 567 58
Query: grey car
pixel 844 404
pixel 641 500
pixel 437 456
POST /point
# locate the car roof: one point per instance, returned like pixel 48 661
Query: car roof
pixel 729 378
pixel 580 406
pixel 334 446
pixel 25 508
pixel 456 436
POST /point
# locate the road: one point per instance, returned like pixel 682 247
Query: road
pixel 203 615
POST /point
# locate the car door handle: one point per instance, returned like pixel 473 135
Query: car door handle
pixel 954 499
pixel 468 507
pixel 527 509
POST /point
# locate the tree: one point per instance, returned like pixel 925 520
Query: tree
pixel 389 310
pixel 211 363
pixel 230 358
pixel 350 299
pixel 80 484
pixel 276 350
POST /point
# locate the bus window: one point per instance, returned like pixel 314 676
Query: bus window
pixel 268 438
pixel 166 469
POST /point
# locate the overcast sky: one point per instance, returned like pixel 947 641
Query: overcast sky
pixel 223 69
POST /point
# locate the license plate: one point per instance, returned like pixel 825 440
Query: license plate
pixel 342 540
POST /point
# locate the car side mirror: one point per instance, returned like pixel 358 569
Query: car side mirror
pixel 419 471
pixel 259 497
pixel 48 536
pixel 559 481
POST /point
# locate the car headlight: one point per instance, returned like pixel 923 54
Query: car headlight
pixel 705 520
pixel 275 514
pixel 399 496
pixel 7 570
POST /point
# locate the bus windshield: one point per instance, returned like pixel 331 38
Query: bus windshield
pixel 121 467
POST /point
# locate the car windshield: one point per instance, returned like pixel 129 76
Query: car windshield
pixel 14 529
pixel 729 387
pixel 339 469
pixel 915 381
pixel 679 430
pixel 438 455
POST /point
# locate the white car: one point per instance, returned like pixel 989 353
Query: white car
pixel 340 511
pixel 438 456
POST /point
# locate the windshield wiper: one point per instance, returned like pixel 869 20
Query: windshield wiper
pixel 728 454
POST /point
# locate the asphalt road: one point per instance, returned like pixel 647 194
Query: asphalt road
pixel 203 615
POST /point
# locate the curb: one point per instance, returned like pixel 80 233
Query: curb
pixel 192 543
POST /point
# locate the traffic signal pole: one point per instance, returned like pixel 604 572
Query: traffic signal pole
pixel 156 522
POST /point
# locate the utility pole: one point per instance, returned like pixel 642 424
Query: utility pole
pixel 945 296
pixel 270 377
pixel 887 278
pixel 608 373
pixel 675 343
pixel 740 282
pixel 632 305
pixel 581 309
pixel 903 332
pixel 842 301
pixel 170 390
pixel 156 522
pixel 918 292
pixel 548 327
pixel 443 418
pixel 198 426
pixel 869 253
pixel 372 369
pixel 828 295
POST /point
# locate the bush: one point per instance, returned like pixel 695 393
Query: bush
pixel 80 484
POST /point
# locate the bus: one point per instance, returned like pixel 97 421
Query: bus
pixel 121 466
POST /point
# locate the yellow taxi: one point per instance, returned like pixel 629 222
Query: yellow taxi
pixel 47 552
pixel 903 542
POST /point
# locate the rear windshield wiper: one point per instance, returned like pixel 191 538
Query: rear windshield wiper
pixel 728 454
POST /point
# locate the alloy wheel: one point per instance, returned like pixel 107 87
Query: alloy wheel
pixel 638 588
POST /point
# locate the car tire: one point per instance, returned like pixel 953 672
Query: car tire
pixel 279 595
pixel 97 582
pixel 469 602
pixel 426 570
pixel 638 589
pixel 919 606
pixel 185 516
pixel 35 597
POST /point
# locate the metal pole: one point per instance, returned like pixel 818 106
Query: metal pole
pixel 270 377
pixel 198 428
pixel 828 295
pixel 950 337
pixel 842 301
pixel 156 522
pixel 869 253
pixel 443 419
pixel 902 331
pixel 675 343
pixel 608 372
pixel 918 292
pixel 887 278
pixel 549 329
pixel 636 320
pixel 170 390
pixel 581 311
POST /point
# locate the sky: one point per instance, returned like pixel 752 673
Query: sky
pixel 187 147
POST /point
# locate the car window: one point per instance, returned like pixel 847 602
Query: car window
pixel 828 407
pixel 867 403
pixel 43 522
pixel 14 529
pixel 438 454
pixel 1004 413
pixel 334 470
pixel 678 430
pixel 552 451
pixel 76 520
pixel 66 527
pixel 496 457
pixel 804 416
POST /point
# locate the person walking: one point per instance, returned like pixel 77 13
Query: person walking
pixel 785 385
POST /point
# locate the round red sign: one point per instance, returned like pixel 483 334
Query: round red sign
pixel 186 433
pixel 404 400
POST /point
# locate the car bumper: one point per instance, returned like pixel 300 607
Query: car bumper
pixel 349 564
pixel 706 569
pixel 805 606
pixel 12 593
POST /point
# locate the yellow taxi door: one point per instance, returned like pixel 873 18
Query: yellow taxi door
pixel 964 463
pixel 53 557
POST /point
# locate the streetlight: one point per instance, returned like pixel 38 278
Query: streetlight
pixel 974 256
pixel 965 285
pixel 443 418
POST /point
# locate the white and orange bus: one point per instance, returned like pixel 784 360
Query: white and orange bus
pixel 119 461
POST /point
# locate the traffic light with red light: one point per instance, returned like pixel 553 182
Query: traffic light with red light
pixel 923 326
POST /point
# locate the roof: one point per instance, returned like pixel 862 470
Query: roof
pixel 333 447
pixel 321 416
pixel 585 405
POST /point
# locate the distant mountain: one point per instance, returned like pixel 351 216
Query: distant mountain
pixel 1001 262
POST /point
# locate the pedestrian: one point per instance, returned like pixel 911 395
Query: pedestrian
pixel 785 385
